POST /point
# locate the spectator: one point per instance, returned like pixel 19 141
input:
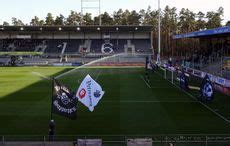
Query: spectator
pixel 51 130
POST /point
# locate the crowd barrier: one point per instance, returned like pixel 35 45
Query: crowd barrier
pixel 220 84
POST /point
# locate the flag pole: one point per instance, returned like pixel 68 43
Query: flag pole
pixel 51 122
pixel 51 112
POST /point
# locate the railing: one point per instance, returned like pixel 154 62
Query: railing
pixel 121 140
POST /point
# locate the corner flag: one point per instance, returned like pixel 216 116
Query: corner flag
pixel 63 101
pixel 89 93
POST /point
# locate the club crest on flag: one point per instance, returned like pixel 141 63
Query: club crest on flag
pixel 64 98
pixel 89 93
pixel 97 94
pixel 207 90
pixel 82 93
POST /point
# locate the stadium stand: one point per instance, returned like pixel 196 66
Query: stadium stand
pixel 69 46
pixel 118 45
pixel 109 46
pixel 72 41
pixel 8 45
pixel 56 46
pixel 43 45
pixel 19 45
pixel 1 45
pixel 210 54
pixel 26 45
pixel 142 45
pixel 96 45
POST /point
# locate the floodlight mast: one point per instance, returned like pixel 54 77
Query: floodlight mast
pixel 159 32
pixel 81 12
pixel 100 12
pixel 95 7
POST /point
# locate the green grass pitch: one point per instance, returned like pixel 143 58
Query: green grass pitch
pixel 129 106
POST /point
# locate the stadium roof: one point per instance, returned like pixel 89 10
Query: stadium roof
pixel 75 28
pixel 220 31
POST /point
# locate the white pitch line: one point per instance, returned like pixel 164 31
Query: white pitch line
pixel 79 80
pixel 153 87
pixel 145 81
pixel 150 101
pixel 207 107
pixel 98 75
pixel 41 75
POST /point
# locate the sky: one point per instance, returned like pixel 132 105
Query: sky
pixel 25 10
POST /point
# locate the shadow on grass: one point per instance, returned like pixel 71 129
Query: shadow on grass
pixel 27 111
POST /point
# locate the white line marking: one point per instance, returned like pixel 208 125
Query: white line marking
pixel 41 75
pixel 207 107
pixel 79 80
pixel 145 81
pixel 99 73
pixel 150 101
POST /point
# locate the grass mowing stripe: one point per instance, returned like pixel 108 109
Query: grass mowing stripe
pixel 207 107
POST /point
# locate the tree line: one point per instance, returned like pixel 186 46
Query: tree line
pixel 172 21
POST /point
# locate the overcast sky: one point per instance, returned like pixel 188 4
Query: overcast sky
pixel 26 9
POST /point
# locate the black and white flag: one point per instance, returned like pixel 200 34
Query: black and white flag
pixel 206 90
pixel 63 101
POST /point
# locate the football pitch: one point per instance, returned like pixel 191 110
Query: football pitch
pixel 130 105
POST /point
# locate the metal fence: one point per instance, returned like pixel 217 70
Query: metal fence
pixel 119 140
